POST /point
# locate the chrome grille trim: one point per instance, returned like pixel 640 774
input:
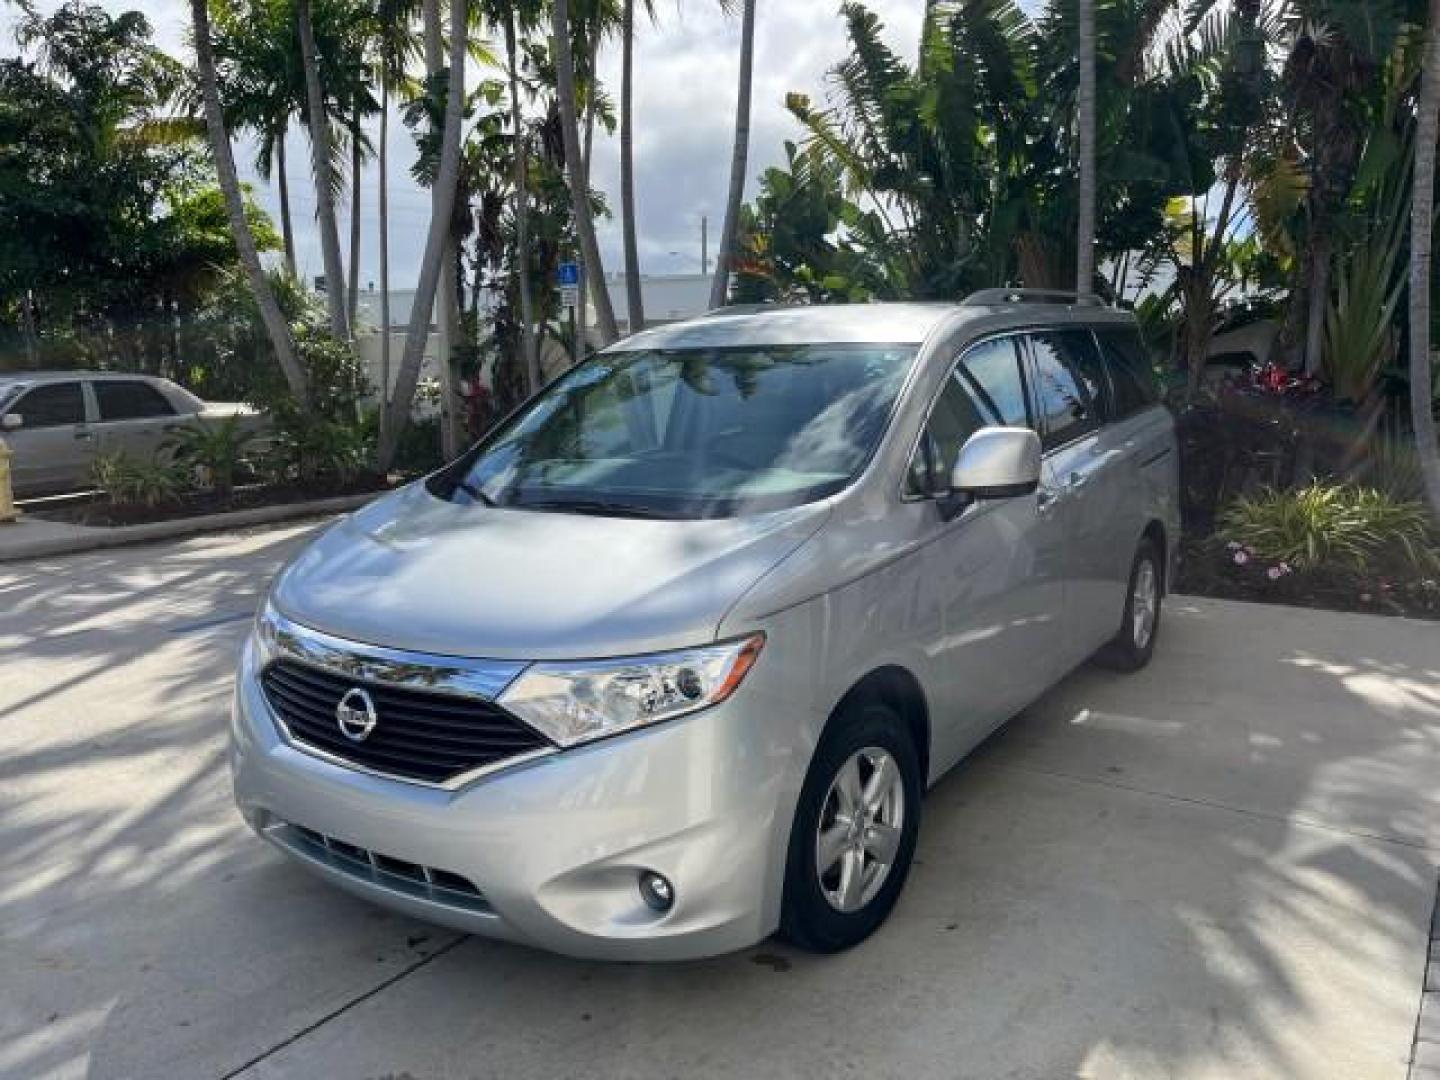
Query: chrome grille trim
pixel 457 675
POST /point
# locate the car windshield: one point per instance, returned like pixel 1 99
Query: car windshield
pixel 688 433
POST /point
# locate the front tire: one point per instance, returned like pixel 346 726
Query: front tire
pixel 854 833
pixel 1134 644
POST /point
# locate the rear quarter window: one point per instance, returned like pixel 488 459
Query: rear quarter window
pixel 1132 376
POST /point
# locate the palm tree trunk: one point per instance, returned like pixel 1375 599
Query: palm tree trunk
pixel 319 125
pixel 1422 223
pixel 634 301
pixel 287 229
pixel 270 313
pixel 1085 121
pixel 1319 296
pixel 529 353
pixel 446 181
pixel 594 269
pixel 720 284
pixel 353 291
pixel 384 207
pixel 445 320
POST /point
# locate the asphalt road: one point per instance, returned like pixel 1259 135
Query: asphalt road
pixel 1222 867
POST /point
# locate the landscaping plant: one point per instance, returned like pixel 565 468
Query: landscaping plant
pixel 218 451
pixel 1330 526
pixel 128 481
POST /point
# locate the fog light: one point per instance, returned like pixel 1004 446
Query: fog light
pixel 656 891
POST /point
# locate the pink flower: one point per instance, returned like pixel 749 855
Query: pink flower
pixel 1241 558
pixel 1284 568
pixel 1274 573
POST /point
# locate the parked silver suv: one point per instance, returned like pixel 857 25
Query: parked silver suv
pixel 667 662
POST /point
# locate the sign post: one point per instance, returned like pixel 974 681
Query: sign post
pixel 567 276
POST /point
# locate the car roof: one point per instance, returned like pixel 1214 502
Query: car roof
pixel 9 377
pixel 888 323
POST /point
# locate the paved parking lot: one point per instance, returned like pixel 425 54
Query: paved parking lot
pixel 1222 867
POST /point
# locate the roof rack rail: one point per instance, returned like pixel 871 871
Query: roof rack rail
pixel 1031 296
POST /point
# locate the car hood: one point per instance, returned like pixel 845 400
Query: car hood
pixel 411 571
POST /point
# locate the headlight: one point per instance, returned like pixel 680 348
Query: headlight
pixel 576 702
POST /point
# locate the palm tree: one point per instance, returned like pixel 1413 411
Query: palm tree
pixel 594 268
pixel 275 324
pixel 1422 223
pixel 1085 108
pixel 446 181
pixel 357 154
pixel 517 15
pixel 634 301
pixel 395 46
pixel 322 165
pixel 720 285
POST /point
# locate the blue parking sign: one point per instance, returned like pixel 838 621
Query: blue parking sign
pixel 567 273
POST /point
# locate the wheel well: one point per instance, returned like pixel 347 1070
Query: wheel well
pixel 1155 532
pixel 897 688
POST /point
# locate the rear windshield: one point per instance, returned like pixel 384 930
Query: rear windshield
pixel 690 433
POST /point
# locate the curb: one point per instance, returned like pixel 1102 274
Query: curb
pixel 94 538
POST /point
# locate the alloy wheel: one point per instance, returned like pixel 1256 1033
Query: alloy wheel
pixel 860 827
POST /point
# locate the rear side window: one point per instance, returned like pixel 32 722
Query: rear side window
pixel 130 401
pixel 1068 408
pixel 1131 373
pixel 52 406
pixel 991 372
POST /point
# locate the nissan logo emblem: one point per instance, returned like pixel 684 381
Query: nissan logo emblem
pixel 355 715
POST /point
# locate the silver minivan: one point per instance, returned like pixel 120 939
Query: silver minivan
pixel 666 663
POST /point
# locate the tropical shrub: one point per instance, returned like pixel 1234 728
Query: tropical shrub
pixel 128 481
pixel 1333 526
pixel 216 450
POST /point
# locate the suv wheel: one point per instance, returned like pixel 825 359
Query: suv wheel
pixel 1131 648
pixel 854 833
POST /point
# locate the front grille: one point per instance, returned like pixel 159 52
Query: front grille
pixel 419 735
pixel 397 875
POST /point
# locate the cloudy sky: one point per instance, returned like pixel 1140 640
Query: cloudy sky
pixel 684 111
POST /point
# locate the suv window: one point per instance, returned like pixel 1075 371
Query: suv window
pixel 1083 356
pixel 130 401
pixel 984 390
pixel 1067 409
pixel 52 406
pixel 1131 373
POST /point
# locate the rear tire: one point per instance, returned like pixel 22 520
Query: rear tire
pixel 1134 643
pixel 854 833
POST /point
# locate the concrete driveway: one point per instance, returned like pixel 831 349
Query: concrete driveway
pixel 1221 867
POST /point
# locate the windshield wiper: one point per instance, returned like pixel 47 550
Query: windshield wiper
pixel 597 507
pixel 475 493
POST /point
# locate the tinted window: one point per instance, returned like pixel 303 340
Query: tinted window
pixel 954 419
pixel 1131 373
pixel 1083 357
pixel 52 406
pixel 985 390
pixel 130 401
pixel 991 371
pixel 1066 407
pixel 696 432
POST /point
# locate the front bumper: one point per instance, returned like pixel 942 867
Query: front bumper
pixel 549 852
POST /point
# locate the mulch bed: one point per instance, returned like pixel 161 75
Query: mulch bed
pixel 200 503
pixel 1207 568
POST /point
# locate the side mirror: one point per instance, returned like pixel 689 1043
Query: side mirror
pixel 11 421
pixel 994 463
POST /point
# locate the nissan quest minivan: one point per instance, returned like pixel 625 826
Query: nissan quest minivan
pixel 666 663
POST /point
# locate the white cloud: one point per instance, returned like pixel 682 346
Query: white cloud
pixel 686 70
